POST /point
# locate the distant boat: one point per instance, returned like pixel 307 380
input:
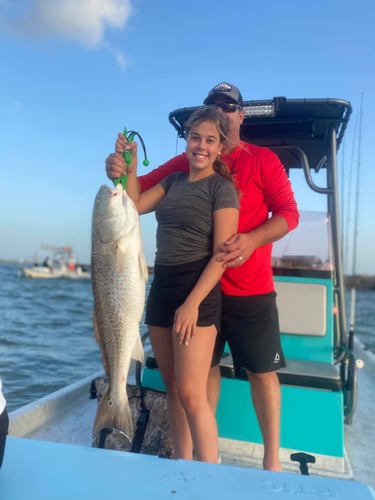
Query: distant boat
pixel 42 272
pixel 61 265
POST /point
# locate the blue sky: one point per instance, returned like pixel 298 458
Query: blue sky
pixel 75 72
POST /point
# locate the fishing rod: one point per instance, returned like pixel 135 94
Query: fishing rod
pixel 351 366
pixel 130 136
pixel 355 231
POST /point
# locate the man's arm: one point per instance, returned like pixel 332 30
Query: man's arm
pixel 278 194
pixel 243 244
pixel 177 164
pixel 280 201
pixel 115 166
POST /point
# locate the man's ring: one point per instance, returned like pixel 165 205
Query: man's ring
pixel 240 258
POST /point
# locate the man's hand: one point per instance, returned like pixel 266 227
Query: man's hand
pixel 235 251
pixel 115 166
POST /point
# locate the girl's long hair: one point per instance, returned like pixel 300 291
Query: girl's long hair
pixel 212 114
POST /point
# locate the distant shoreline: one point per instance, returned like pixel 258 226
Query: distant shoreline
pixel 360 281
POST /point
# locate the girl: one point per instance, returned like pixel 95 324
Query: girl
pixel 196 213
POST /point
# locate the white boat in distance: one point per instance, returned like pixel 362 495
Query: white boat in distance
pixel 328 408
pixel 61 265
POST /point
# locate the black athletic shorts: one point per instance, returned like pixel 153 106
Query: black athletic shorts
pixel 250 326
pixel 4 423
pixel 169 289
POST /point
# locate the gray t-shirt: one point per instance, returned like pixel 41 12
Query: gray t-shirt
pixel 185 216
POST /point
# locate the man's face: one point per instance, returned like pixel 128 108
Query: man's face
pixel 235 118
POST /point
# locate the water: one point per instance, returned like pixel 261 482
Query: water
pixel 46 336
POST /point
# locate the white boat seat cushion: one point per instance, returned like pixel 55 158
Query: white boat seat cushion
pixel 302 308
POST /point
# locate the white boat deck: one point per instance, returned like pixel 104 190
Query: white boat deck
pixel 36 470
pixel 76 416
pixel 360 436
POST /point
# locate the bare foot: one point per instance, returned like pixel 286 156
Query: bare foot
pixel 274 465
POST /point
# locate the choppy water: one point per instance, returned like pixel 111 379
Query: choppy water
pixel 46 337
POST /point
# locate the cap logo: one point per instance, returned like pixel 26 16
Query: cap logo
pixel 222 87
pixel 231 92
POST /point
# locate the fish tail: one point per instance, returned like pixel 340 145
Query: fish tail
pixel 138 353
pixel 113 414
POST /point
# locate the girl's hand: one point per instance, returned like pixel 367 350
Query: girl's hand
pixel 130 153
pixel 185 322
pixel 120 143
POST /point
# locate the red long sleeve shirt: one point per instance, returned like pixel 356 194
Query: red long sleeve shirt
pixel 264 189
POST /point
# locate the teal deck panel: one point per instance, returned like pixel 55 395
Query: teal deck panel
pixel 312 420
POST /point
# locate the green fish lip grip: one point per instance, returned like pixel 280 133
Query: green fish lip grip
pixel 130 135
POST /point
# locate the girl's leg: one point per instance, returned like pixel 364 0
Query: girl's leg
pixel 161 341
pixel 192 364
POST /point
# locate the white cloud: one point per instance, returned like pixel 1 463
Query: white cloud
pixel 119 57
pixel 81 21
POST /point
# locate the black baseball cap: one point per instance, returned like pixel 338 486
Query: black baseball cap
pixel 226 89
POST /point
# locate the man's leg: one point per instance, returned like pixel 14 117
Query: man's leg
pixel 251 327
pixel 213 383
pixel 265 391
pixel 213 387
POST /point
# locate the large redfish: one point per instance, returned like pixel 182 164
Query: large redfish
pixel 119 276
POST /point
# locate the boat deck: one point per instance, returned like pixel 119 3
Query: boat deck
pixel 39 469
pixel 74 424
pixel 359 436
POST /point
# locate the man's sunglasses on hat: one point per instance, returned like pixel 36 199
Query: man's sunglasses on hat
pixel 227 107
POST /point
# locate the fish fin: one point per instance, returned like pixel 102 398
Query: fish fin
pixel 121 255
pixel 113 414
pixel 95 327
pixel 138 353
pixel 99 342
pixel 143 270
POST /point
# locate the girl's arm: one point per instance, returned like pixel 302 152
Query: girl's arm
pixel 148 200
pixel 185 320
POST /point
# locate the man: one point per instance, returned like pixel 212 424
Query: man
pixel 249 319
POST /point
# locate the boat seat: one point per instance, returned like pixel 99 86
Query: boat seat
pixel 297 372
pixel 309 302
pixel 302 373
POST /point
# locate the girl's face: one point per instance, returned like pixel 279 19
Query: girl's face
pixel 203 146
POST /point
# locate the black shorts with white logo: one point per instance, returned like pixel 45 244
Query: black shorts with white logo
pixel 250 325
